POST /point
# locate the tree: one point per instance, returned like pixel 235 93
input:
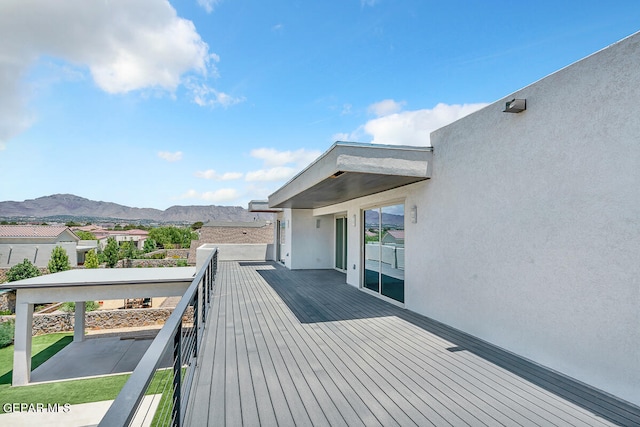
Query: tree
pixel 111 252
pixel 179 237
pixel 85 235
pixel 149 246
pixel 128 251
pixel 59 260
pixel 197 225
pixel 91 260
pixel 24 270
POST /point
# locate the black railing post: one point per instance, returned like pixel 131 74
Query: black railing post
pixel 177 376
pixel 196 321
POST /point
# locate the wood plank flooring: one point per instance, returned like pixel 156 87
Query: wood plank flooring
pixel 302 348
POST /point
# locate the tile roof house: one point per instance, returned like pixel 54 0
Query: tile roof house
pixel 35 243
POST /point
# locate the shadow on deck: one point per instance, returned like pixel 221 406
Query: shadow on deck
pixel 323 296
pixel 303 348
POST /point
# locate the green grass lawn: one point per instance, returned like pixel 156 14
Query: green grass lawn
pixel 72 392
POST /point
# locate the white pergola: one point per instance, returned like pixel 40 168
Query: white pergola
pixel 85 285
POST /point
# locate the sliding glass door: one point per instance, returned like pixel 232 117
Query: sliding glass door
pixel 383 237
pixel 341 243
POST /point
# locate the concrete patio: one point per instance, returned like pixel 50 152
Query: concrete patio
pixel 108 353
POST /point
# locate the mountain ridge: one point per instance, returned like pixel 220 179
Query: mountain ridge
pixel 76 206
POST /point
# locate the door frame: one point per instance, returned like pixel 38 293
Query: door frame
pixel 345 236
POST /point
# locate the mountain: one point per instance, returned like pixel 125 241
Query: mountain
pixel 74 206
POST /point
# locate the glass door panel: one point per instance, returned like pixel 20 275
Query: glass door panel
pixel 392 252
pixel 384 251
pixel 371 240
pixel 281 240
pixel 341 243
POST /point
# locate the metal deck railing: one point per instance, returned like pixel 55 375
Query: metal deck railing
pixel 158 390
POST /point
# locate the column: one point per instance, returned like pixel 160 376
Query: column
pixel 22 342
pixel 78 326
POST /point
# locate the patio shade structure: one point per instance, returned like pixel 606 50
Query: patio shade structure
pixel 85 285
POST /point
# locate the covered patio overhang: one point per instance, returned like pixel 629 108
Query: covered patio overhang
pixel 351 170
pixel 85 285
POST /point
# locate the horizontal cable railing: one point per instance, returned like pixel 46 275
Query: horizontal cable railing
pixel 158 390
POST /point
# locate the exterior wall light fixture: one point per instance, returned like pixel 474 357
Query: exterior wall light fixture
pixel 413 214
pixel 515 106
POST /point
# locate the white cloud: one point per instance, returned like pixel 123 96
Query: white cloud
pixel 414 127
pixel 342 137
pixel 212 174
pixel 368 2
pixel 280 165
pixel 126 45
pixel 273 157
pixel 206 96
pixel 169 156
pixel 218 196
pixel 208 5
pixel 278 173
pixel 386 107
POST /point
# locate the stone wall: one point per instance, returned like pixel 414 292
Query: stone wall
pixel 177 253
pixel 8 301
pixel 141 263
pixel 101 319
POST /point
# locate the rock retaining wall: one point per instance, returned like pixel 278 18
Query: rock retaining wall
pixel 8 301
pixel 142 263
pixel 102 319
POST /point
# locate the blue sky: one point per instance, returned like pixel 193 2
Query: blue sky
pixel 150 103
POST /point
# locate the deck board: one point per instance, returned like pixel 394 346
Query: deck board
pixel 303 348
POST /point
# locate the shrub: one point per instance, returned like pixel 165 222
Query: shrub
pixel 159 255
pixel 111 252
pixel 181 263
pixel 70 307
pixel 59 260
pixel 6 333
pixel 91 260
pixel 24 270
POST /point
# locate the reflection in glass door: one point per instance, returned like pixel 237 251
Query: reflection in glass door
pixel 280 241
pixel 372 249
pixel 341 243
pixel 384 251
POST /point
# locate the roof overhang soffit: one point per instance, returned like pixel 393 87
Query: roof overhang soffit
pixel 348 171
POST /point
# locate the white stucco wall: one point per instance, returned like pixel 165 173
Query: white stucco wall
pixel 528 233
pixel 529 230
pixel 311 240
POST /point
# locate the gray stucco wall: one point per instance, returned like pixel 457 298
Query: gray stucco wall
pixel 37 253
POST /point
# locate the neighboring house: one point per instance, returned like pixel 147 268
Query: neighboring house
pixel 242 239
pixel 136 237
pixel 522 228
pixel 393 237
pixel 35 243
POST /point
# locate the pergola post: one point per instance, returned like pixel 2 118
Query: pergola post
pixel 22 342
pixel 79 320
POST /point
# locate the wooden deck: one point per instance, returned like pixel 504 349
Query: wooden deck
pixel 298 348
